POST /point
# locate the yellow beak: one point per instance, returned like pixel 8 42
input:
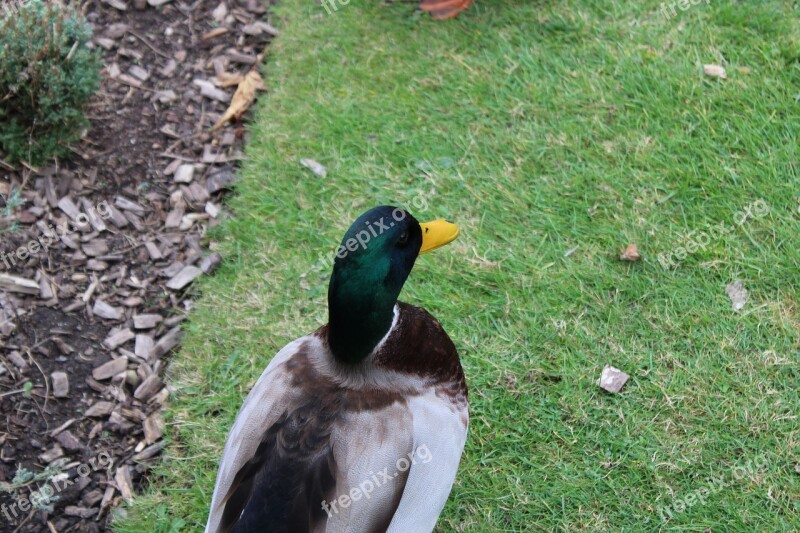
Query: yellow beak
pixel 436 234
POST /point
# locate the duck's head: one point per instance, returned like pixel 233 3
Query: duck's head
pixel 371 265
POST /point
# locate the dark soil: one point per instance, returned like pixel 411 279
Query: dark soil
pixel 150 117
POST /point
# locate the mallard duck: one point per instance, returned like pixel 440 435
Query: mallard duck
pixel 444 9
pixel 360 425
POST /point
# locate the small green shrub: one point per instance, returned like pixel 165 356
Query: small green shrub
pixel 47 75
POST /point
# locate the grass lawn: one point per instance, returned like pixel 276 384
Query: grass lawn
pixel 541 128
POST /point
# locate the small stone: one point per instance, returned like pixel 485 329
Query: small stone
pixel 60 382
pixel 715 71
pixel 612 379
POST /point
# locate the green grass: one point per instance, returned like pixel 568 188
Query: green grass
pixel 540 127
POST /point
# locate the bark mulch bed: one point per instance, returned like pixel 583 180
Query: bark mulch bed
pixel 88 314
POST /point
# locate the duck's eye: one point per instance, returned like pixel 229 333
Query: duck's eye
pixel 403 239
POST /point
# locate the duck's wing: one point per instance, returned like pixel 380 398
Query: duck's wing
pixel 278 444
pixel 306 455
pixel 440 431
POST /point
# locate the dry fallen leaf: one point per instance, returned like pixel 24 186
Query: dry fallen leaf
pixel 315 167
pixel 715 71
pixel 229 79
pixel 243 98
pixel 631 253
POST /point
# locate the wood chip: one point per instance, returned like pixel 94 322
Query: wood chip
pixel 153 428
pixel 69 441
pixel 98 409
pixel 108 497
pixel 146 321
pixel 216 32
pixel 123 480
pixel 148 388
pixel 16 358
pixel 183 278
pixel 81 512
pixel 96 265
pixel 60 384
pixel 116 217
pixel 104 310
pixel 118 336
pixel 144 344
pixel 94 217
pixel 153 251
pixel 17 284
pixel 128 205
pixel 220 179
pixel 116 4
pixel 166 343
pixel 208 90
pixel 110 369
pixel 210 263
pixel 95 247
pixel 139 73
pixel 184 174
pixel 212 209
pixel 238 57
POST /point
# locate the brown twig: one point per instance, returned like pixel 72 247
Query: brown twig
pixel 150 46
